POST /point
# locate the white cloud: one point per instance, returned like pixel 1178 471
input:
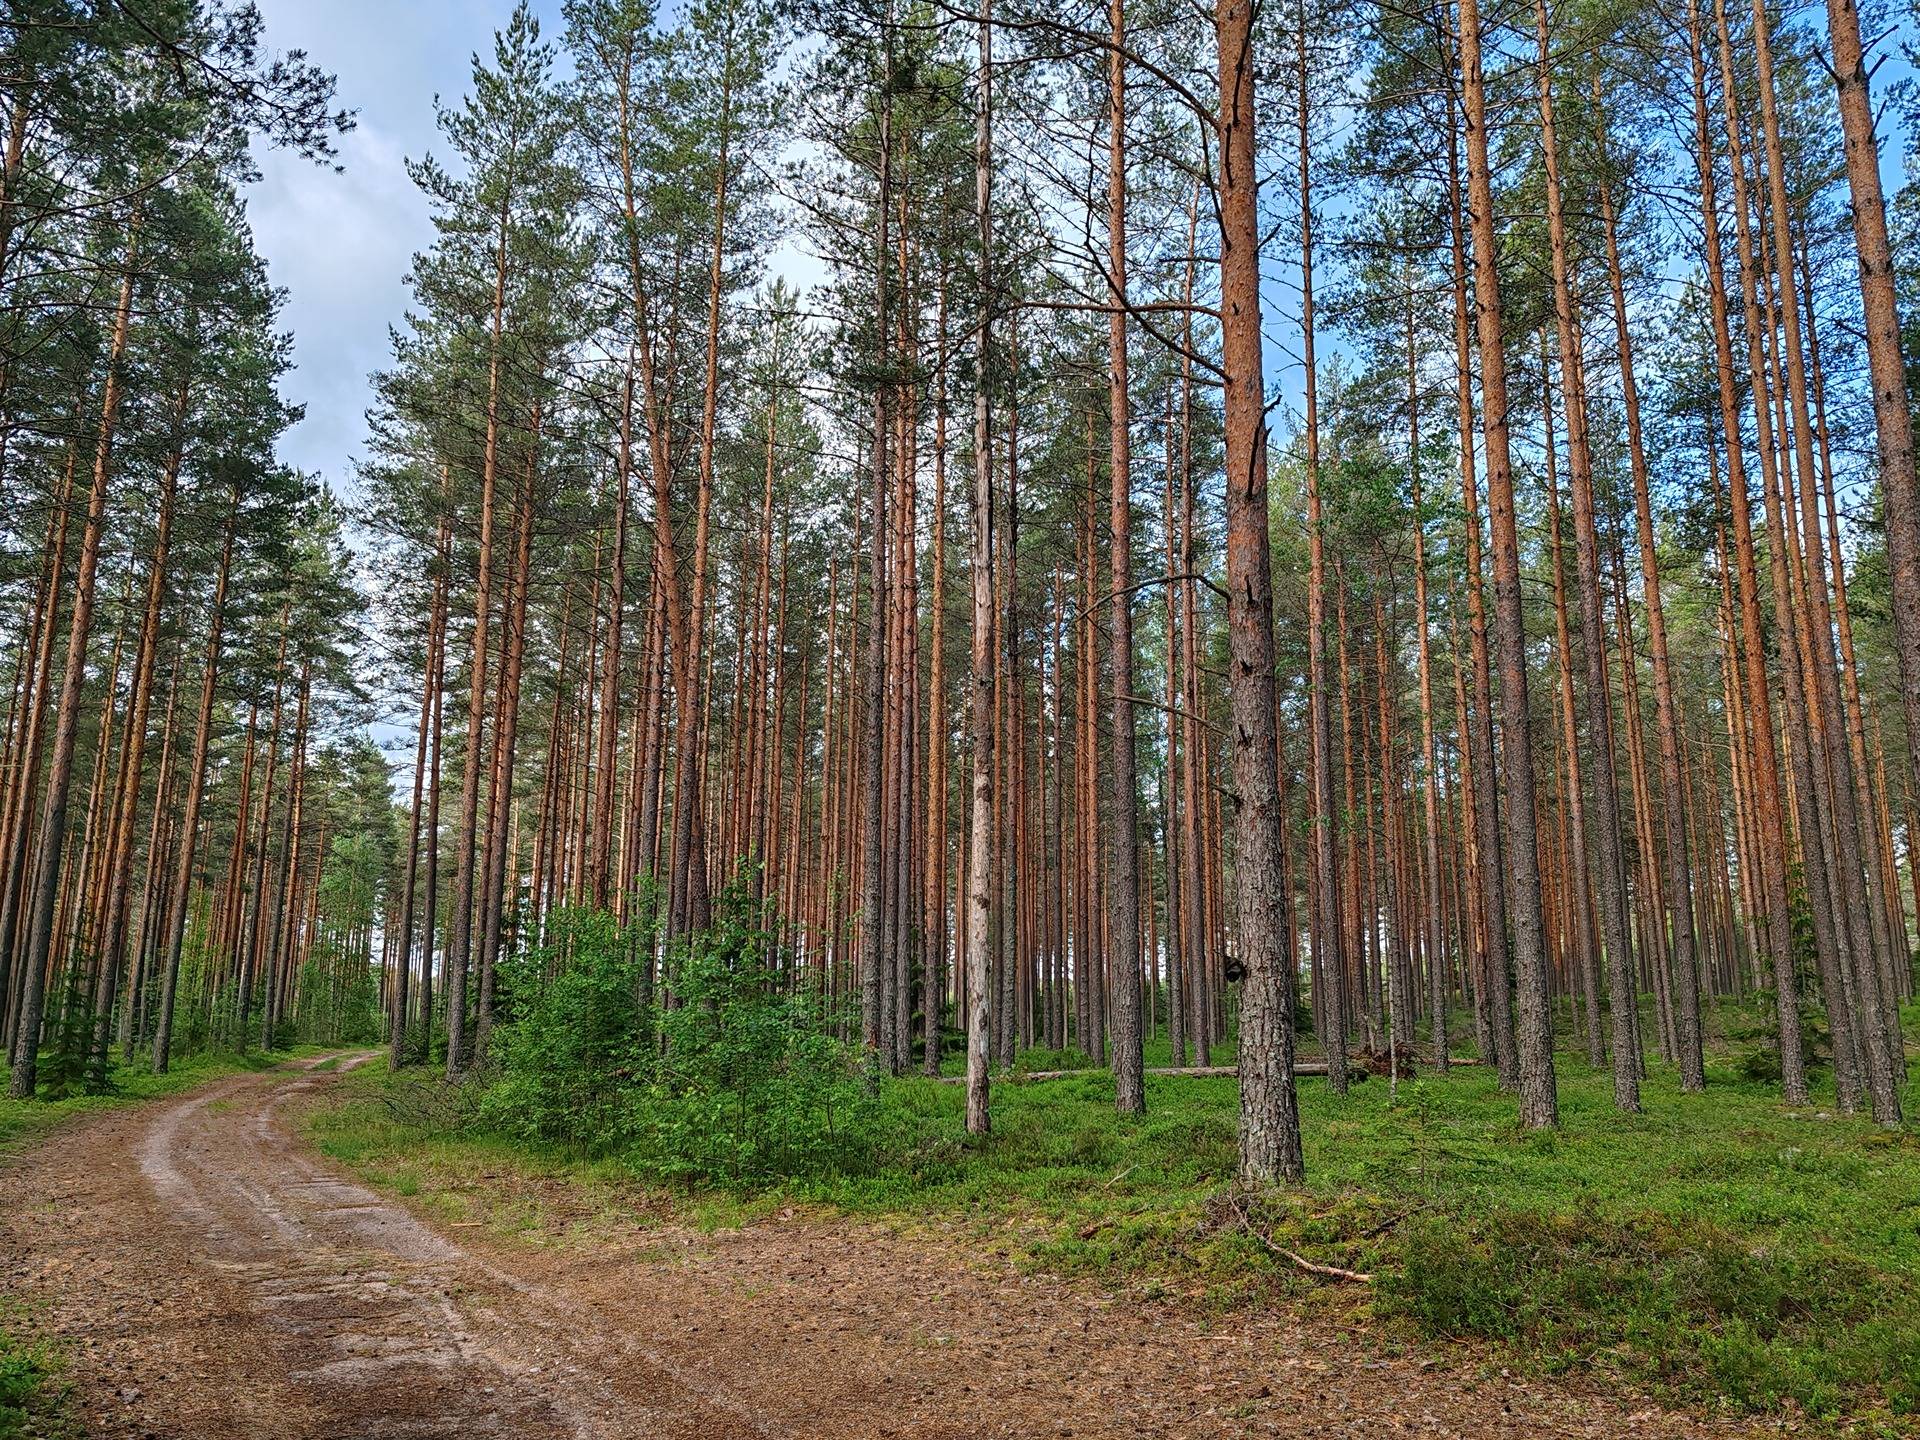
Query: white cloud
pixel 340 244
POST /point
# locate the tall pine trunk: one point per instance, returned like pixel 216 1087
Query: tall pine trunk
pixel 979 878
pixel 1539 1103
pixel 1123 862
pixel 1608 854
pixel 196 785
pixel 1269 1107
pixel 53 824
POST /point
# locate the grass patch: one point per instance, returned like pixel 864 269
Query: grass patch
pixel 23 1121
pixel 407 1136
pixel 33 1396
pixel 1716 1250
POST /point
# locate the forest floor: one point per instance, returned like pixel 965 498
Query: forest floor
pixel 30 1386
pixel 208 1275
pixel 22 1121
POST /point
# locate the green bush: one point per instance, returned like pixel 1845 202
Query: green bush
pixel 572 1051
pixel 62 1069
pixel 1750 1028
pixel 733 1078
pixel 750 1082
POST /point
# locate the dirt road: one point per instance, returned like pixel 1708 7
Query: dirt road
pixel 212 1279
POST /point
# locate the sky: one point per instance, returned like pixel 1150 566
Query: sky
pixel 341 244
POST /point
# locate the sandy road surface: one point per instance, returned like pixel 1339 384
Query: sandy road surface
pixel 213 1279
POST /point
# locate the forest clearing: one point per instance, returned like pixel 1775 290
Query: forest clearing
pixel 901 718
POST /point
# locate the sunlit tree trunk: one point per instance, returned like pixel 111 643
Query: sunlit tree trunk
pixel 127 802
pixel 1679 877
pixel 1329 924
pixel 45 880
pixel 1765 780
pixel 460 923
pixel 980 563
pixel 1539 1106
pixel 600 861
pixel 873 954
pixel 1269 1108
pixel 1609 855
pixel 196 785
pixel 1433 933
pixel 1886 362
pixel 1579 904
pixel 1858 885
pixel 1494 996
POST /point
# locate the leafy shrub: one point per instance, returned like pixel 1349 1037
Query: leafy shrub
pixel 573 1049
pixel 732 1078
pixel 1751 1030
pixel 63 1068
pixel 750 1083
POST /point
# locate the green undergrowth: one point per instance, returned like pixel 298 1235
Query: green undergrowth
pixel 34 1400
pixel 1716 1250
pixel 22 1121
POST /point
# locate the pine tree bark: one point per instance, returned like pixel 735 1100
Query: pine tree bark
pixel 1493 1004
pixel 255 958
pixel 1169 801
pixel 460 923
pixel 600 864
pixel 1433 932
pixel 495 899
pixel 689 908
pixel 38 659
pixel 1886 364
pixel 1010 702
pixel 196 785
pixel 1123 820
pixel 1330 923
pixel 980 562
pixel 1269 1107
pixel 873 956
pixel 1813 821
pixel 428 740
pixel 936 948
pixel 1193 771
pixel 119 865
pixel 1539 1105
pixel 1610 869
pixel 1765 780
pixel 1679 876
pixel 1858 886
pixel 53 823
pixel 1579 902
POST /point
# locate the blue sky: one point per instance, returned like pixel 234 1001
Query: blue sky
pixel 340 244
